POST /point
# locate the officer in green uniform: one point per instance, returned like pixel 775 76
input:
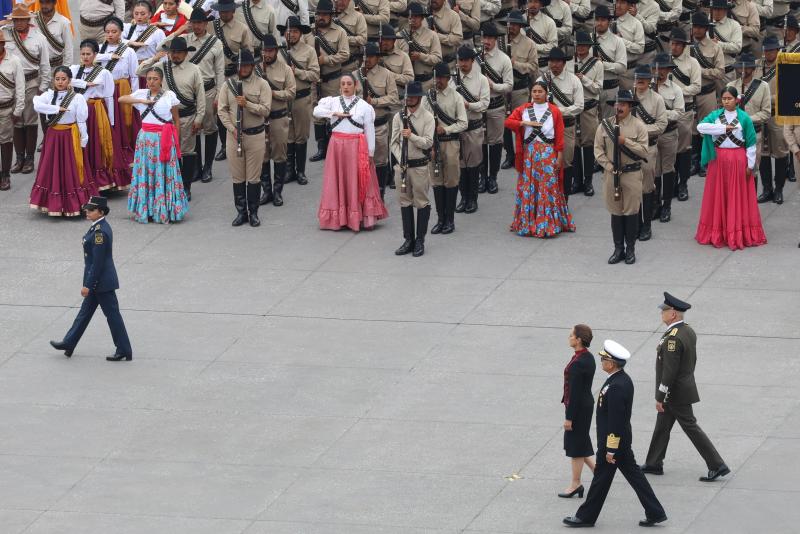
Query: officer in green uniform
pixel 676 391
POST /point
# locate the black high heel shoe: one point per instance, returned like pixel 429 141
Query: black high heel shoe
pixel 577 491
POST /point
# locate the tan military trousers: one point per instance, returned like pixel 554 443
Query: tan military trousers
pixel 248 167
pixel 275 146
pixel 495 119
pixel 589 123
pixel 301 119
pixel 381 155
pixel 418 183
pixel 187 137
pixel 450 171
pixel 471 148
pixel 667 149
pixel 649 170
pixel 210 117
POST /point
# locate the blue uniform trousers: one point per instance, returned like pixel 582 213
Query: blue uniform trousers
pixel 110 306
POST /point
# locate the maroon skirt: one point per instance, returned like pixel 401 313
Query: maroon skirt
pixel 94 151
pixel 58 189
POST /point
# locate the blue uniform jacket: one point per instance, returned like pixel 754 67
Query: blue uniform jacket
pixel 99 273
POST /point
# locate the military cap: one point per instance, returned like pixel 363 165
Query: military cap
pixel 544 3
pixel 269 42
pixel 642 72
pixel 199 15
pixel 790 22
pixel 225 5
pixel 699 18
pixel 679 35
pixel 615 351
pixel 387 32
pixel 663 61
pixel 372 49
pixel 745 61
pixel 441 70
pixel 414 89
pixel 583 38
pixel 556 54
pixel 325 7
pixel 293 21
pixel 417 10
pixel 515 16
pixel 719 4
pixel 490 29
pixel 246 57
pixel 673 303
pixel 624 95
pixel 97 203
pixel 178 44
pixel 771 43
pixel 465 52
pixel 602 12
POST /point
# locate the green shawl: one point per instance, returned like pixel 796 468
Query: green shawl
pixel 709 151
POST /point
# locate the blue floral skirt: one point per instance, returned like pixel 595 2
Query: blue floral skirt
pixel 156 191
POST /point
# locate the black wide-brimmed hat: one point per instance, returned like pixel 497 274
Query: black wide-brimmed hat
pixel 663 61
pixel 642 72
pixel 556 54
pixel 490 29
pixel 199 15
pixel 602 12
pixel 178 44
pixel 790 21
pixel 414 89
pixel 515 16
pixel 545 3
pixel 466 52
pixel 745 61
pixel 699 18
pixel 387 32
pixel 441 70
pixel 97 203
pixel 679 35
pixel 225 5
pixel 246 57
pixel 293 21
pixel 673 303
pixel 583 38
pixel 719 4
pixel 623 95
pixel 771 43
pixel 417 10
pixel 372 49
pixel 269 42
pixel 325 7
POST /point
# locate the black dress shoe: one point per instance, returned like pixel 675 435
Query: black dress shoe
pixel 645 234
pixel 702 173
pixel 630 257
pixel 652 470
pixel 471 207
pixel 764 197
pixel 301 178
pixel 507 164
pixel 481 185
pixel 119 358
pixel 576 522
pixel 419 248
pixel 405 248
pixel 714 474
pixel 461 206
pixel 588 190
pixel 448 227
pixel 616 257
pixel 577 491
pixel 683 192
pixel 666 215
pixel 437 228
pixel 60 345
pixel 652 522
pixel 206 176
pixel 221 156
pixel 778 198
pixel 491 185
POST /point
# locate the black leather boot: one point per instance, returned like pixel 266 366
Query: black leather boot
pixel 654 211
pixel 222 133
pixel 588 170
pixel 631 223
pixel 463 186
pixel 577 172
pixel 253 191
pixel 277 188
pixel 240 201
pixel 684 162
pixel 450 197
pixel 291 174
pixel 645 231
pixel 408 231
pixel 266 184
pixel 438 197
pixel 668 185
pixel 618 235
pixel 198 154
pixel 188 170
pixel 790 170
pixel 780 179
pixel 472 202
pixel 210 143
pixel 382 172
pixel 495 152
pixel 423 216
pixel 697 144
pixel 566 184
pixel 300 163
pixel 31 134
pixel 765 170
pixel 321 135
pixel 483 170
pixel 508 144
pixel 19 148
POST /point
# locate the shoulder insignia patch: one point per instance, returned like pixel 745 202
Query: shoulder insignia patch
pixel 673 331
pixel 671 345
pixel 98 238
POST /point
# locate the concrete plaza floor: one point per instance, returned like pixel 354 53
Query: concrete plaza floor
pixel 290 380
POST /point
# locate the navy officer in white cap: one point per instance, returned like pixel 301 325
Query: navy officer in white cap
pixel 614 438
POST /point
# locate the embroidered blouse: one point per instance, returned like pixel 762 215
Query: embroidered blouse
pixel 104 88
pixel 77 112
pixel 717 128
pixel 163 107
pixel 362 113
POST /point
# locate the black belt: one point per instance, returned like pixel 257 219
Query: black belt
pixel 757 128
pixel 468 35
pixel 421 162
pixel 474 125
pixel 255 130
pixel 633 64
pixel 777 22
pixel 672 125
pixel 278 113
pixel 631 167
pixel 448 58
pixel 685 16
pixel 521 83
pixel 447 137
pixel 590 104
pixel 31 76
pixel 56 61
pixel 690 106
pixel 728 68
pixel 497 102
pixel 649 46
pixel 708 89
pixel 302 93
pixel 423 77
pixel 611 84
pixel 664 26
pixel 380 121
pixel 583 19
pixel 101 22
pixel 6 105
pixel 330 76
pixel 569 121
pixel 542 61
pixel 210 84
pixel 350 59
pixel 187 112
pixel 230 70
pixel 652 141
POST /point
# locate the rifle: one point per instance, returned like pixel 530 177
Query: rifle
pixel 484 118
pixel 508 95
pixel 437 157
pixel 404 145
pixel 239 110
pixel 318 85
pixel 617 163
pixel 289 103
pixel 364 76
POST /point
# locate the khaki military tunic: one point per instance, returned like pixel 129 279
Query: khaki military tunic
pixel 331 64
pixel 525 65
pixel 451 105
pixel 37 72
pixel 728 33
pixel 469 11
pixel 631 31
pixel 582 15
pixel 355 27
pixel 93 15
pixel 383 97
pixel 544 34
pixel 499 89
pixel 758 106
pixel 712 72
pixel 668 19
pixel 635 134
pixel 258 98
pixel 647 12
pixel 668 141
pixel 774 143
pixel 687 76
pixel 746 14
pixel 572 89
pixel 212 69
pixel 188 87
pixel 234 36
pixel 589 71
pixel 57 33
pixel 398 13
pixel 560 12
pixel 611 50
pixel 259 18
pixel 474 88
pixel 399 64
pixel 306 75
pixel 376 12
pixel 652 104
pixel 418 178
pixel 447 25
pixel 12 99
pixel 429 41
pixel 281 80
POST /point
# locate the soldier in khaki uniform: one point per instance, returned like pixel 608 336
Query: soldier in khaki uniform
pixel 95 13
pixel 234 36
pixel 647 12
pixel 355 26
pixel 610 49
pixel 260 19
pixel 746 14
pixel 631 31
pixel 589 70
pixel 474 88
pixel 413 191
pixel 686 75
pixel 450 113
pixel 185 80
pixel 398 63
pixel 774 142
pixel 376 13
pixel 255 101
pixel 447 25
pixel 633 144
pixel 398 13
pixel 469 11
pixel 422 46
pixel 728 35
pixel 382 95
pixel 12 103
pixel 525 68
pixel 791 43
pixel 653 112
pixel 541 29
pixel 560 12
pixel 303 61
pixel 673 97
pixel 333 51
pixel 30 48
pixel 280 78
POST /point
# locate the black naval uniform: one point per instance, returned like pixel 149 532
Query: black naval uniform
pixel 613 419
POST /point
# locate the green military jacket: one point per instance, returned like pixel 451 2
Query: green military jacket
pixel 675 363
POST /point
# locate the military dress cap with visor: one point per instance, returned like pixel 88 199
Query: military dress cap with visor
pixel 441 70
pixel 679 36
pixel 673 303
pixel 490 29
pixel 745 61
pixel 615 351
pixel 200 15
pixel 663 61
pixel 415 89
pixel 225 5
pixel 97 203
pixel 178 44
pixel 699 18
pixel 293 21
pixel 466 52
pixel 624 95
pixel 269 42
pixel 414 10
pixel 515 17
pixel 643 72
pixel 556 54
pixel 602 12
pixel 583 38
pixel 771 43
pixel 325 7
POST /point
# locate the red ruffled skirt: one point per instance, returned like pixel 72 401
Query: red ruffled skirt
pixel 350 194
pixel 729 214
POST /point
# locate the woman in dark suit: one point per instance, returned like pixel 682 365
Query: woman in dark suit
pixel 579 404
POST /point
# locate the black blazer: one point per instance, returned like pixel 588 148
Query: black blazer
pixel 579 378
pixel 614 405
pixel 99 273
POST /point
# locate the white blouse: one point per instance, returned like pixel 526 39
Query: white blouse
pixel 125 67
pixel 362 113
pixel 535 113
pixel 152 43
pixel 717 128
pixel 104 88
pixel 163 107
pixel 77 112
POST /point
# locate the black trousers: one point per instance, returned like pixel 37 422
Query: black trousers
pixel 601 482
pixel 684 415
pixel 107 300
